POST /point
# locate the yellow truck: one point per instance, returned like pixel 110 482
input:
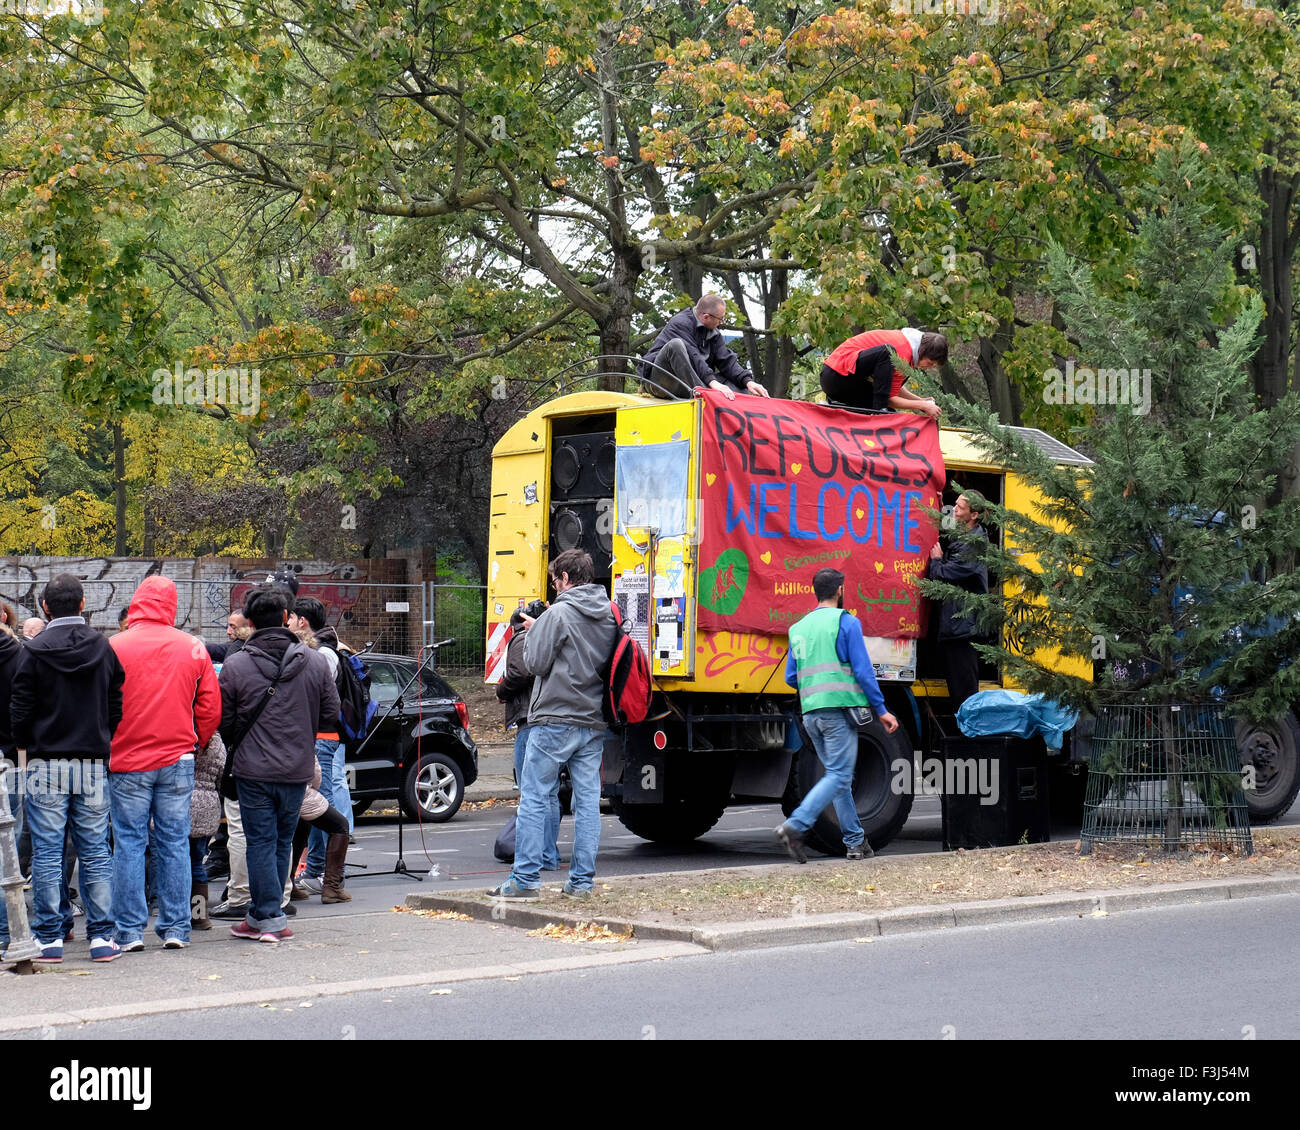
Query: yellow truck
pixel 707 519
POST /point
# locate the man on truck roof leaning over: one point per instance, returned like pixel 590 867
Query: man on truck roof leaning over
pixel 861 372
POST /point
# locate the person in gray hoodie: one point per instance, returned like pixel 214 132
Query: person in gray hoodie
pixel 568 649
pixel 274 760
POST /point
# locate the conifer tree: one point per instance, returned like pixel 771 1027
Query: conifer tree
pixel 1164 561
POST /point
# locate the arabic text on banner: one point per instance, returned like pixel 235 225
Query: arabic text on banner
pixel 789 488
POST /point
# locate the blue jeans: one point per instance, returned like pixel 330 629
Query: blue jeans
pixel 550 849
pixel 162 795
pixel 334 787
pixel 836 743
pixel 269 813
pixel 551 747
pixel 69 796
pixel 198 870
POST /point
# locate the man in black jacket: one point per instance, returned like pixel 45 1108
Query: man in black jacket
pixel 691 348
pixel 65 705
pixel 274 759
pixel 959 566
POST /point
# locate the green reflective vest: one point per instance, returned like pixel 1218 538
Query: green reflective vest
pixel 823 680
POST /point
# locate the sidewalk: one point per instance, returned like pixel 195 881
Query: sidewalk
pixel 328 956
pixel 496 773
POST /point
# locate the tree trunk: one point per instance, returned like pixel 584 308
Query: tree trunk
pixel 119 491
pixel 1002 398
pixel 616 325
pixel 1276 252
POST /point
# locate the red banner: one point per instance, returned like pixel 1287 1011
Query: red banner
pixel 789 488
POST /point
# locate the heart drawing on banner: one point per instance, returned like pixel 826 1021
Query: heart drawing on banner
pixel 722 585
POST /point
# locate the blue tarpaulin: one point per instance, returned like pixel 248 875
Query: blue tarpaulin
pixel 1010 712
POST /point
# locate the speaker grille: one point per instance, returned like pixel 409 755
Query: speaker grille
pixel 566 467
pixel 567 530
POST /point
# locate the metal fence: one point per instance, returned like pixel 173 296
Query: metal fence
pixel 459 611
pixel 1166 775
pixel 396 618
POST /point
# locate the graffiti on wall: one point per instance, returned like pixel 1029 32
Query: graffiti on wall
pixel 207 589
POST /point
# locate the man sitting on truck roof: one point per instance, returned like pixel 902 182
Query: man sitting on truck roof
pixel 829 664
pixel 862 374
pixel 692 349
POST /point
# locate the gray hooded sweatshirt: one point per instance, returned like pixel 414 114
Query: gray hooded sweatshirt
pixel 567 649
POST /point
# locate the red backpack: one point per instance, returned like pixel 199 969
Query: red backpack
pixel 627 681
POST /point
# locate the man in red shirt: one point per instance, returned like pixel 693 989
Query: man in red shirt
pixel 171 706
pixel 861 372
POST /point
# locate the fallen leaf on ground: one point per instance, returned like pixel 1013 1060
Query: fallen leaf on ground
pixel 213 977
pixel 440 915
pixel 439 992
pixel 513 978
pixel 583 932
pixel 1100 914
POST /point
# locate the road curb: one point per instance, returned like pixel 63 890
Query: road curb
pixel 810 929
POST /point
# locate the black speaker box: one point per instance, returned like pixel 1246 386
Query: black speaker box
pixel 582 466
pixel 1009 772
pixel 588 526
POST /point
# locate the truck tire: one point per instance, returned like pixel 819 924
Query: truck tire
pixel 882 809
pixel 1273 749
pixel 670 823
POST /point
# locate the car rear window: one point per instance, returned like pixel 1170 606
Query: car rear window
pixel 388 678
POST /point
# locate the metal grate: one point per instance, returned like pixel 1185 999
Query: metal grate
pixel 1168 776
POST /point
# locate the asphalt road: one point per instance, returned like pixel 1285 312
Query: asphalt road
pixel 461 850
pixel 1180 973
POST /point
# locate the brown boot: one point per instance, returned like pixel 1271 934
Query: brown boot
pixel 336 851
pixel 199 919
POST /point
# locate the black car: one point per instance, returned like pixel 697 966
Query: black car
pixel 420 752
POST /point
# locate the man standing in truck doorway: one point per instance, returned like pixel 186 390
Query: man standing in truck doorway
pixel 829 665
pixel 960 566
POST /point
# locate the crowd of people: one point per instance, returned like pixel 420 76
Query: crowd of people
pixel 126 757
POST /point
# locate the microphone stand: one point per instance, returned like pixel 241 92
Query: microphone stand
pixel 400 868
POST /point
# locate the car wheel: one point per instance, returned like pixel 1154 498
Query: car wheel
pixel 433 790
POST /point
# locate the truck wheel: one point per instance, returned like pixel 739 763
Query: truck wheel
pixel 882 808
pixel 1273 749
pixel 669 823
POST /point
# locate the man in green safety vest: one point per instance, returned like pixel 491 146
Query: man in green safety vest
pixel 828 663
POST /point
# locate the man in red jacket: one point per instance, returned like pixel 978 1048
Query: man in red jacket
pixel 171 706
pixel 861 372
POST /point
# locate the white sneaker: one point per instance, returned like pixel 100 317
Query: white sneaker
pixel 307 883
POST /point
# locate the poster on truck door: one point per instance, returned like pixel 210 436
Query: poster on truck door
pixel 788 488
